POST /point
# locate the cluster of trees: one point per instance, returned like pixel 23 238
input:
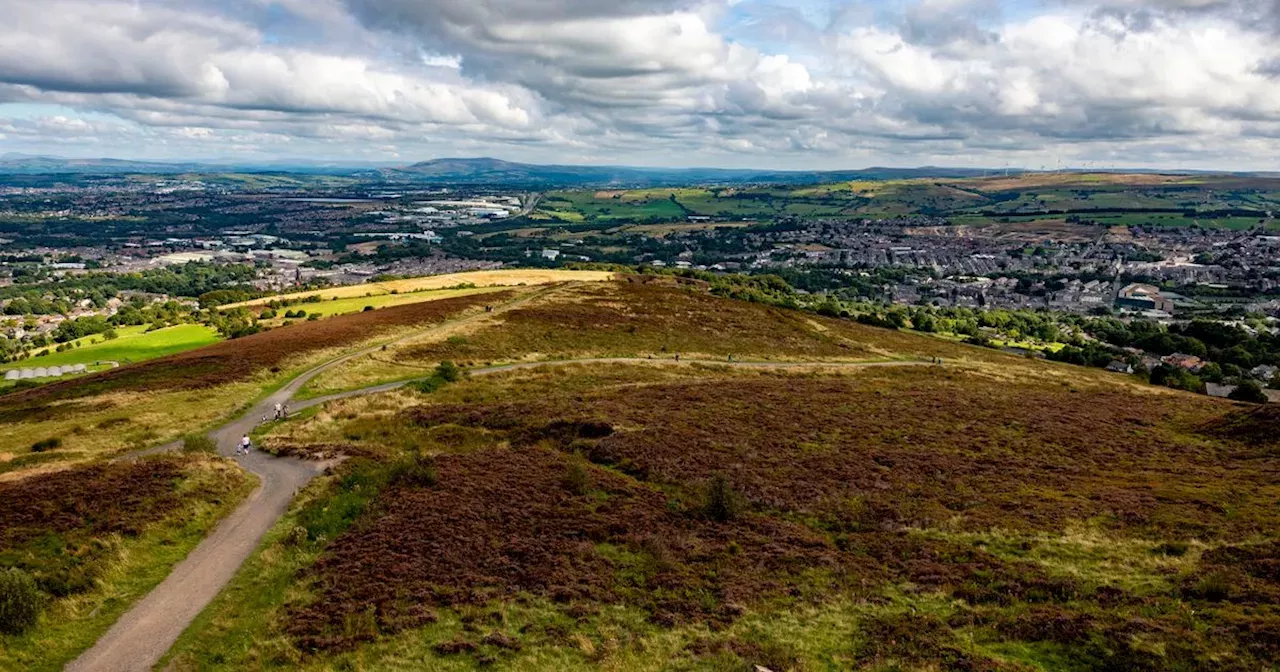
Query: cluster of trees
pixel 134 313
pixel 234 323
pixel 1225 344
pixel 60 296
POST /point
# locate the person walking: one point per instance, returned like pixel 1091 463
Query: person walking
pixel 244 446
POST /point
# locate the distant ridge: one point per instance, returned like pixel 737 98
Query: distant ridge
pixel 490 171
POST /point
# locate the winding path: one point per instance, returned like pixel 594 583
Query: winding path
pixel 146 632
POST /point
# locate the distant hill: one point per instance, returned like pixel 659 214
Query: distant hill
pixel 472 171
pixel 494 171
pixel 25 164
pixel 487 171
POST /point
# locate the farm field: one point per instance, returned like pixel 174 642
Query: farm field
pixel 98 538
pixel 1109 199
pixel 135 344
pixel 338 306
pixel 502 278
pixel 909 518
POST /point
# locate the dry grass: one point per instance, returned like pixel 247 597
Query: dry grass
pixel 506 278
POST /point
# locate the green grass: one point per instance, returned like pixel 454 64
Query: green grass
pixel 71 625
pixel 645 208
pixel 135 344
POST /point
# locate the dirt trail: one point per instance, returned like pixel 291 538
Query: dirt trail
pixel 146 632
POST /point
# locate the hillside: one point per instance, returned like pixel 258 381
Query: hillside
pixel 640 474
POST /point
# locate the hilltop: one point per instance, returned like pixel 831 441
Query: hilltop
pixel 641 473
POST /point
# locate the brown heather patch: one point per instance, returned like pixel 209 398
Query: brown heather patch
pixel 502 523
pixel 1257 428
pixel 914 447
pixel 239 359
pixel 63 528
pixel 98 499
pixel 838 473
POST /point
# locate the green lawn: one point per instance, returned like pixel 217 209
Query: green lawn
pixel 135 344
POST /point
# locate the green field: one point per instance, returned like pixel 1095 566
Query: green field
pixel 135 344
pixel 1111 200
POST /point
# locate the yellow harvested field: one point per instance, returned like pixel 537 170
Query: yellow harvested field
pixel 505 278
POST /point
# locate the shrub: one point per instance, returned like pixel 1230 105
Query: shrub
pixel 20 601
pixel 448 372
pixel 368 308
pixel 313 317
pixel 1249 391
pixel 428 385
pixel 416 470
pixel 1214 587
pixel 577 479
pixel 111 335
pixel 199 443
pixel 47 444
pixel 267 314
pixel 721 503
pixel 296 536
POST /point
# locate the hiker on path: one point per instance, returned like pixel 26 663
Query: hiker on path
pixel 278 407
pixel 244 446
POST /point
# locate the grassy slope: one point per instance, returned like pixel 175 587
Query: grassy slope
pixel 1048 516
pixel 135 344
pixel 137 416
pixel 130 567
pixel 631 320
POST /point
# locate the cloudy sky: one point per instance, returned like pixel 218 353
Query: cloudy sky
pixel 750 83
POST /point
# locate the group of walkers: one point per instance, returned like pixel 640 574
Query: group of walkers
pixel 279 412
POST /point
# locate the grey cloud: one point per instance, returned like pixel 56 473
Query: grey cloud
pixel 662 81
pixel 937 23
